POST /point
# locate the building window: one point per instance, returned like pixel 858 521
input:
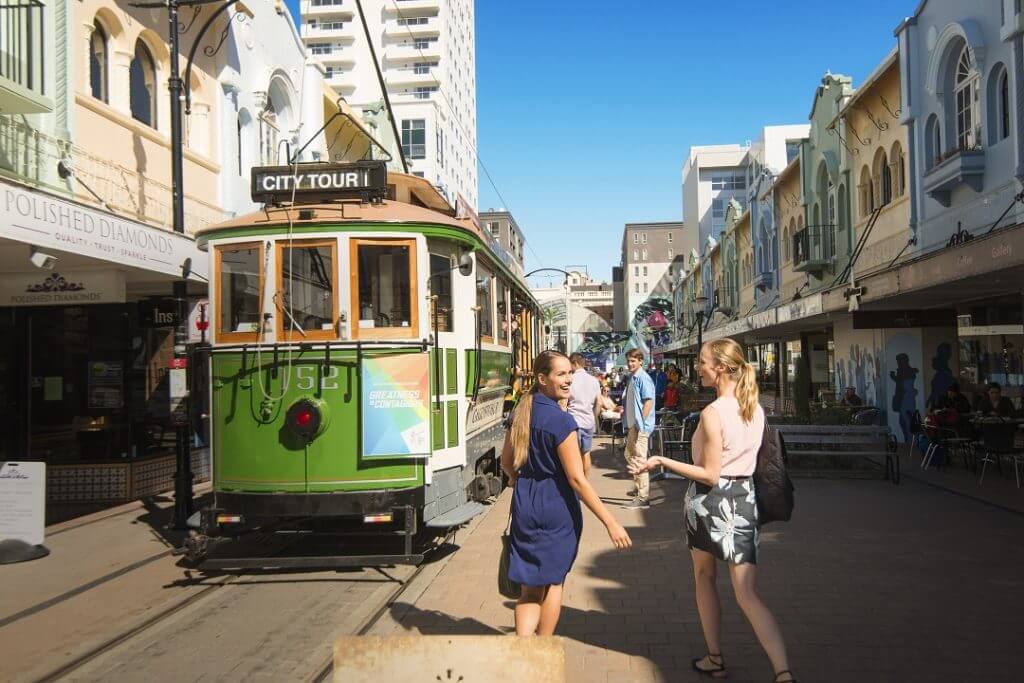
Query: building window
pixel 1004 105
pixel 645 271
pixel 423 92
pixel 98 63
pixel 933 142
pixel 645 288
pixel 142 85
pixel 268 134
pixel 636 271
pixel 423 43
pixel 643 238
pixel 967 124
pixel 238 285
pixel 644 254
pixel 636 238
pixel 635 256
pixel 636 287
pixel 414 139
pixel 899 170
pixel 321 48
pixel 998 101
pixel 670 253
pixel 423 67
pixel 495 228
pixel 728 180
pixel 670 237
pixel 412 21
pixel 867 194
pixel 440 147
pixel 717 209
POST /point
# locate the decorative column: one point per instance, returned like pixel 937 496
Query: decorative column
pixel 119 81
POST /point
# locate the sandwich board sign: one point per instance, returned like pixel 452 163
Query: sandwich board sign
pixel 22 510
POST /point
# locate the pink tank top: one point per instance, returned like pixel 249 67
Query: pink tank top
pixel 740 440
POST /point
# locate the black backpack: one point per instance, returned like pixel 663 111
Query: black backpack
pixel 773 489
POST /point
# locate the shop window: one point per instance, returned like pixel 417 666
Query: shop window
pixel 385 293
pixel 239 288
pixel 142 85
pixel 98 63
pixel 441 292
pixel 307 294
pixel 484 299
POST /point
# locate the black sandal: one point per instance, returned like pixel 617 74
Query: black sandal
pixel 788 680
pixel 719 667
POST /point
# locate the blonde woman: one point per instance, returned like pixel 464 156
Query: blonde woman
pixel 542 459
pixel 721 514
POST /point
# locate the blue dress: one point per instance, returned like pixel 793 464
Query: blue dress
pixel 546 517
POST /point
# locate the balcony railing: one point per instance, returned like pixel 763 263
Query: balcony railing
pixel 814 248
pixel 31 156
pixel 23 58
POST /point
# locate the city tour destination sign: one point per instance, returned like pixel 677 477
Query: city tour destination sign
pixel 49 222
pixel 363 180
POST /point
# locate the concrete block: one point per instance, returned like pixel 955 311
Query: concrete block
pixel 476 659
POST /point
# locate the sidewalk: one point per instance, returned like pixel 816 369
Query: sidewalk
pixel 870 582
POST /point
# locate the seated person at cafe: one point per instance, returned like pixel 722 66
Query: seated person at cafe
pixel 993 403
pixel 672 389
pixel 850 398
pixel 953 400
pixel 607 411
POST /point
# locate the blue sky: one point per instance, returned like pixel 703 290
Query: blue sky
pixel 585 114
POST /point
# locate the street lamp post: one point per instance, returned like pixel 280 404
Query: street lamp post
pixel 180 405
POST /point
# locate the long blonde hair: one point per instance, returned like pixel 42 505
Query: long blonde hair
pixel 520 432
pixel 729 353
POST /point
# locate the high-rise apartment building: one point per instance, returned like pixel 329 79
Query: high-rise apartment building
pixel 426 50
pixel 501 227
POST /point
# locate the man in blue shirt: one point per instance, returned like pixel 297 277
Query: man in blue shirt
pixel 639 415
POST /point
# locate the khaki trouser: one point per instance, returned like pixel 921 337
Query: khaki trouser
pixel 636 455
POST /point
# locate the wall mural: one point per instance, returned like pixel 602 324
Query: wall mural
pixel 651 320
pixel 600 348
pixel 861 371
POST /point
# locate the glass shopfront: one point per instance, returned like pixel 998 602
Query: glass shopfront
pixel 86 384
pixel 991 347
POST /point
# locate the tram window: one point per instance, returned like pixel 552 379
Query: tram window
pixel 386 290
pixel 306 298
pixel 238 291
pixel 484 289
pixel 502 326
pixel 441 287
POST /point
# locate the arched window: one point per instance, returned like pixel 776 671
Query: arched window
pixel 866 194
pixel 898 164
pixel 98 63
pixel 966 92
pixel 268 134
pixel 998 101
pixel 932 142
pixel 787 240
pixel 142 85
pixel 882 179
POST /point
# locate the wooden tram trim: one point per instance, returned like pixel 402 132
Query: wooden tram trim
pixel 231 336
pixel 283 333
pixel 485 338
pixel 412 332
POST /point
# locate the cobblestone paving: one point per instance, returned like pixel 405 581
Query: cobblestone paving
pixel 871 582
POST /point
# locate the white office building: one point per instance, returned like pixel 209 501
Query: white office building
pixel 712 175
pixel 427 53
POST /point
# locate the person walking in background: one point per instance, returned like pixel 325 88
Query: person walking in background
pixel 583 406
pixel 541 458
pixel 639 414
pixel 720 509
pixel 660 380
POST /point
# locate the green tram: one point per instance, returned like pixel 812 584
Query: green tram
pixel 363 344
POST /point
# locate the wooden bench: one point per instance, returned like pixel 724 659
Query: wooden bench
pixel 844 441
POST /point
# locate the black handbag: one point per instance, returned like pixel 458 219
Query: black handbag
pixel 773 489
pixel 506 586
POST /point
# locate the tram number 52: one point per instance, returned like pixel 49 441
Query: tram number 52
pixel 306 376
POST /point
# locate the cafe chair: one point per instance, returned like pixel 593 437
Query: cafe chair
pixel 998 441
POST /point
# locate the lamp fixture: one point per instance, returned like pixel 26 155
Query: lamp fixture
pixel 40 259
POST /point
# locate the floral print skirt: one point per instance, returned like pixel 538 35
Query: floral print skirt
pixel 722 519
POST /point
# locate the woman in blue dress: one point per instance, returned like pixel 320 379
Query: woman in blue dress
pixel 541 458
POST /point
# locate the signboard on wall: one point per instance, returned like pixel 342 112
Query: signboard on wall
pixel 869 320
pixel 801 308
pixel 46 221
pixel 395 405
pixel 62 288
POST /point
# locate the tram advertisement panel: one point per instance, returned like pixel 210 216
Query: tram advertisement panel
pixel 396 405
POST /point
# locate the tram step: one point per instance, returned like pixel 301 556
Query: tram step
pixel 459 515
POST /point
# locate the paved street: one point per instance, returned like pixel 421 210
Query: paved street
pixel 870 582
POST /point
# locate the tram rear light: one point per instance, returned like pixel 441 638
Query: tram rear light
pixel 382 518
pixel 229 519
pixel 307 417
